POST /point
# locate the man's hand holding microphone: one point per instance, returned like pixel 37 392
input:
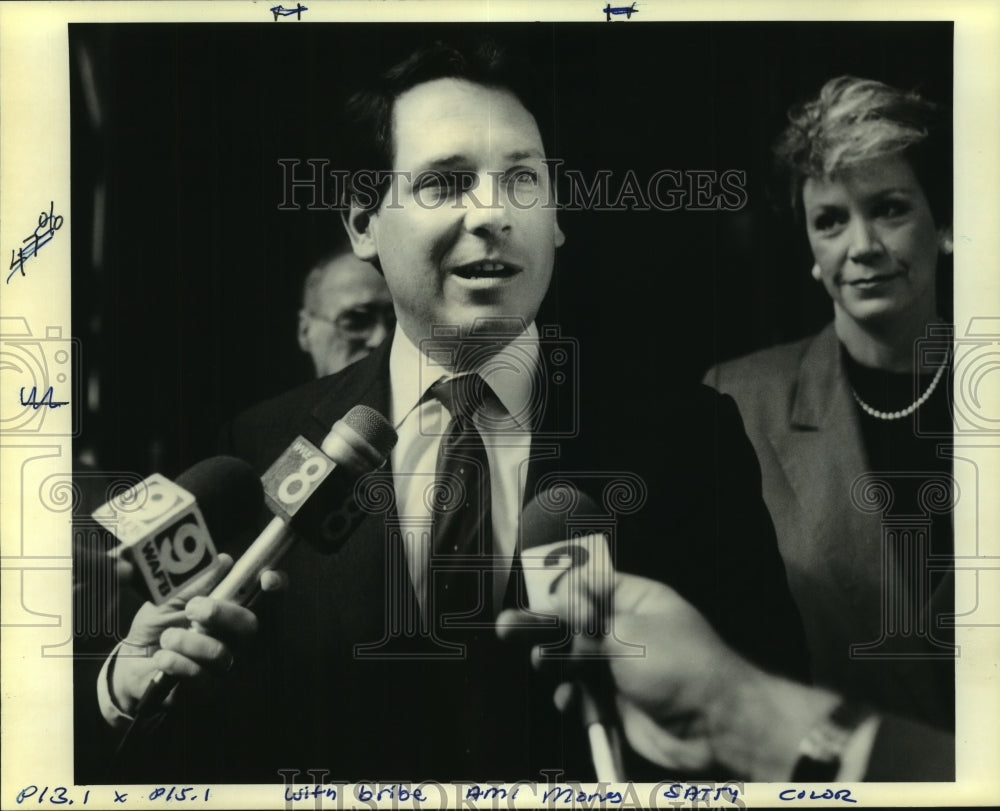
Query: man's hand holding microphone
pixel 688 701
pixel 191 636
pixel 682 697
pixel 198 624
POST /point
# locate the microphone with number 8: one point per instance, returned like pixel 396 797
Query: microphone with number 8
pixel 307 489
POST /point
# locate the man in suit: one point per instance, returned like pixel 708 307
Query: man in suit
pixel 353 669
pixel 346 312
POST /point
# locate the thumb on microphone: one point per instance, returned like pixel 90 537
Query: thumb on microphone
pixel 273 580
pixel 191 648
pixel 133 661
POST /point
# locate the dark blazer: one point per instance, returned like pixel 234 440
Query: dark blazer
pixel 303 696
pixel 800 415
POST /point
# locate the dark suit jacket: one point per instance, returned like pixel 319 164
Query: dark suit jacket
pixel 800 415
pixel 304 697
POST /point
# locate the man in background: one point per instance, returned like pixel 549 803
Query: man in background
pixel 346 311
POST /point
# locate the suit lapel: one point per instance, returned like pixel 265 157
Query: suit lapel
pixel 364 383
pixel 555 424
pixel 822 457
pixel 551 423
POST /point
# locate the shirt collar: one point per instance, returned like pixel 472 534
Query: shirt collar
pixel 510 373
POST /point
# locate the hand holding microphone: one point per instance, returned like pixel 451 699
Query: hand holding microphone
pixel 662 698
pixel 167 532
pixel 161 639
pixel 308 489
pixel 688 702
pixel 671 698
pixel 691 701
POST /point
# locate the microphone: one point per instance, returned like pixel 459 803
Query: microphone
pixel 559 542
pixel 164 526
pixel 298 487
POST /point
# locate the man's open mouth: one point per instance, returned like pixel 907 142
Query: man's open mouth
pixel 871 281
pixel 486 269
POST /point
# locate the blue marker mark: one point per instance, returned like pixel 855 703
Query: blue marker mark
pixel 47 399
pixel 844 795
pixel 50 222
pixel 628 11
pixel 281 11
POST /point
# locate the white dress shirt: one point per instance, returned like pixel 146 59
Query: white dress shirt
pixel 506 436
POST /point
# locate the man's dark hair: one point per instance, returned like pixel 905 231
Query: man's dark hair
pixel 367 117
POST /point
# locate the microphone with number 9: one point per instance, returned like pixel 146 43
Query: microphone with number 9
pixel 164 526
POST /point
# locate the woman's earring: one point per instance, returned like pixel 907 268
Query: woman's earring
pixel 817 272
pixel 946 243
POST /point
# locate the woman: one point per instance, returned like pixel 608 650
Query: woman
pixel 848 424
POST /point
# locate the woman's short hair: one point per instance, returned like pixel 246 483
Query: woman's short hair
pixel 856 120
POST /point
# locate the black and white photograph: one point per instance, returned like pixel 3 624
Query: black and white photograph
pixel 467 408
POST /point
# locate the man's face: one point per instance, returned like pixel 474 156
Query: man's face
pixel 452 254
pixel 350 315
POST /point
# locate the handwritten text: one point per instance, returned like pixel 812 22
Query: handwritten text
pixel 281 11
pixel 47 399
pixel 628 11
pixel 569 795
pixel 843 794
pixel 703 793
pixel 48 223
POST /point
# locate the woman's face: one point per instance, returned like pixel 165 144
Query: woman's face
pixel 874 240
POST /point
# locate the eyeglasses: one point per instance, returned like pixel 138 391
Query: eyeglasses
pixel 360 322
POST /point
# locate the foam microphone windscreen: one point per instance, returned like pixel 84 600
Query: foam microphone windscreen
pixel 373 428
pixel 230 495
pixel 564 543
pixel 308 489
pixel 169 531
pixel 313 488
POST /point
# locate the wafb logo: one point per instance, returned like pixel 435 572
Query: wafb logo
pixel 177 554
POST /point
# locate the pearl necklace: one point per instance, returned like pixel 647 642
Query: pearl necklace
pixel 898 415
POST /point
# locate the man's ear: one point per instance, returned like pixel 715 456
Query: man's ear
pixel 358 222
pixel 303 331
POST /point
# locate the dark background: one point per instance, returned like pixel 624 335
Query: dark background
pixel 187 278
